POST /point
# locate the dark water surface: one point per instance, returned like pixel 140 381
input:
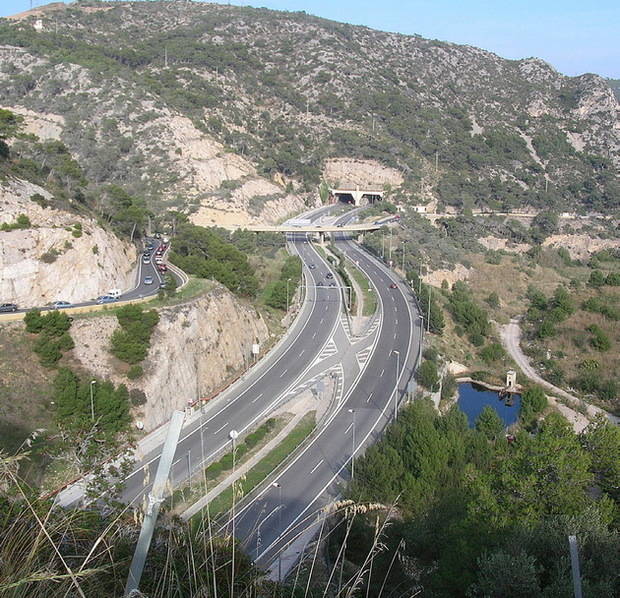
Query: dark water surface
pixel 473 399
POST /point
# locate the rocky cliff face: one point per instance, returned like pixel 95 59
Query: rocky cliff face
pixel 59 256
pixel 194 349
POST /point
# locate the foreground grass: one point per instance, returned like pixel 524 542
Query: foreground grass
pixel 223 503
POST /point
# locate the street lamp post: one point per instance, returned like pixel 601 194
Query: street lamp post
pixel 92 403
pixel 233 437
pixel 396 384
pixel 352 412
pixel 279 487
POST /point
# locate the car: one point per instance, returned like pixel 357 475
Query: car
pixel 393 286
pixel 146 260
pixel 162 285
pixel 329 275
pixel 148 280
pixel 332 284
pixel 340 225
pixel 60 304
pixel 159 260
pixel 312 266
pixel 106 299
pixel 162 267
pixel 8 307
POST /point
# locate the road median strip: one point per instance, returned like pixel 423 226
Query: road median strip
pixel 250 474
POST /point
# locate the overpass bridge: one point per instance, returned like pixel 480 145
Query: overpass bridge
pixel 323 230
pixel 316 228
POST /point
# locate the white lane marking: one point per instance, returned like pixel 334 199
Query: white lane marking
pixel 321 321
pixel 326 308
pixel 369 397
pixel 283 373
pixel 220 429
pixel 314 335
pixel 396 321
pixel 350 426
pixel 382 372
pixel 302 353
pixel 316 466
pixel 258 397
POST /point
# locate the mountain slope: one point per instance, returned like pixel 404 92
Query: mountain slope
pixel 184 103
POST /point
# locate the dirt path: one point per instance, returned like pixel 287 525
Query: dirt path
pixel 511 336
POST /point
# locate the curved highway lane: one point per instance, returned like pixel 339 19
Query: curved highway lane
pixel 291 506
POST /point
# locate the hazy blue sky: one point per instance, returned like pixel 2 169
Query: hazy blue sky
pixel 574 36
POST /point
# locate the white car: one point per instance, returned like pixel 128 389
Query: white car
pixel 148 280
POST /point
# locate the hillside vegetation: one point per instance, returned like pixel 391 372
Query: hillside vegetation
pixel 286 91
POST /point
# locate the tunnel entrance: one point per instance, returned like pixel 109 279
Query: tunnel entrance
pixel 345 198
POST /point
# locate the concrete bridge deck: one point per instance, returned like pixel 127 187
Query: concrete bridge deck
pixel 315 228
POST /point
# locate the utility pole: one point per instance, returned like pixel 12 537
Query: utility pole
pixel 92 403
pixel 436 161
pixel 396 385
pixel 428 319
pixel 233 434
pixel 574 563
pixel 165 57
pixel 352 412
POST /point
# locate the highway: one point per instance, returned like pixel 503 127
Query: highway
pixel 290 506
pixel 249 401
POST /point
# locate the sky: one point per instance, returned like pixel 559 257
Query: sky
pixel 575 37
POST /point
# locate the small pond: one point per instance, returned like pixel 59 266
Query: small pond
pixel 473 399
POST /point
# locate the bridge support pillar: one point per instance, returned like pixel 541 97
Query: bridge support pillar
pixel 360 238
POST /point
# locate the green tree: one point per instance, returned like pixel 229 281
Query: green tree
pixel 490 424
pixel 506 575
pixel 533 402
pixel 492 353
pixel 602 441
pixel 427 374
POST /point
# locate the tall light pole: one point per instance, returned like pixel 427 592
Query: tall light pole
pixel 279 487
pixel 403 247
pixel 92 403
pixel 233 437
pixel 352 412
pixel 396 384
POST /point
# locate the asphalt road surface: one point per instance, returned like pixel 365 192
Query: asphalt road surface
pixel 292 505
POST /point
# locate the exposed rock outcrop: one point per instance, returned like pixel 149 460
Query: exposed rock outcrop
pixel 194 348
pixel 60 256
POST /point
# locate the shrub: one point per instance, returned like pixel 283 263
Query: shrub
pixel 137 397
pixel 49 257
pixel 600 341
pixel 492 352
pixel 533 402
pixel 135 371
pixel 597 279
pixel 22 222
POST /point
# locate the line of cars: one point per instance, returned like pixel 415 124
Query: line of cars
pixel 113 295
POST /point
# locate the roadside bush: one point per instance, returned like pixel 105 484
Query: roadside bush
pixel 597 279
pixel 54 339
pixel 427 374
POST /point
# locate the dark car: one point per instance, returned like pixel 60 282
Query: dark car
pixel 162 285
pixel 329 275
pixel 393 286
pixel 312 266
pixel 8 307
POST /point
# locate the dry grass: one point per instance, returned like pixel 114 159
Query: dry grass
pixel 24 390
